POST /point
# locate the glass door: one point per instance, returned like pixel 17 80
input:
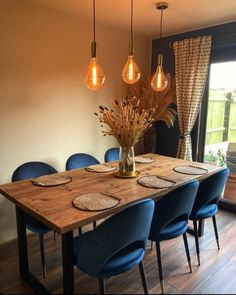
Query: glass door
pixel 220 137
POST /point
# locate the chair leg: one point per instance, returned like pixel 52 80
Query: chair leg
pixel 216 231
pixel 54 236
pixel 143 277
pixel 41 242
pixel 187 251
pixel 196 240
pixel 94 224
pixel 158 249
pixel 80 230
pixel 101 285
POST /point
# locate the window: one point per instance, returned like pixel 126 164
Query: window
pixel 220 132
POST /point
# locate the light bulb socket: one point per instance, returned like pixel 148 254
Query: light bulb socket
pixel 131 48
pixel 162 5
pixel 93 49
pixel 160 59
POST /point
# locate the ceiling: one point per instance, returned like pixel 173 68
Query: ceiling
pixel 181 16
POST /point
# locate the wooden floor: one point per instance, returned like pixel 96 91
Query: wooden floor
pixel 217 273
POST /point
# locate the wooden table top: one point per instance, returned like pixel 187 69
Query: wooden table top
pixel 53 205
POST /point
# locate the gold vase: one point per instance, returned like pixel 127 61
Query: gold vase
pixel 127 163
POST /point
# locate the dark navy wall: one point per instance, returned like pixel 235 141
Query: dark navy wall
pixel 223 49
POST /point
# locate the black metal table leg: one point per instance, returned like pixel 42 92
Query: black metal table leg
pixel 67 257
pixel 25 273
pixel 22 244
pixel 201 228
pixel 67 260
pixel 190 229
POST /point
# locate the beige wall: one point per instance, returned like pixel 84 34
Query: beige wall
pixel 46 111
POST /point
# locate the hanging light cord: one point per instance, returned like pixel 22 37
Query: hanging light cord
pixel 161 24
pixel 93 44
pixel 131 18
pixel 94 19
pixel 131 44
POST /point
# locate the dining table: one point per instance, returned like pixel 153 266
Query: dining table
pixel 53 205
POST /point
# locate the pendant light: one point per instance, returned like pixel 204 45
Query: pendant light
pixel 131 72
pixel 159 81
pixel 95 77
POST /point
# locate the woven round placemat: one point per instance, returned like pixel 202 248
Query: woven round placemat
pixel 100 168
pixel 51 180
pixel 143 160
pixel 154 181
pixel 191 170
pixel 95 201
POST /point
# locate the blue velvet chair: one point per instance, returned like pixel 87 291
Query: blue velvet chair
pixel 112 154
pixel 80 160
pixel 205 205
pixel 116 245
pixel 170 219
pixel 32 170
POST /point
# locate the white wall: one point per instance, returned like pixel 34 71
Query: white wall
pixel 46 111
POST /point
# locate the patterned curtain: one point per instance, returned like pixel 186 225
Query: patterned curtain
pixel 191 67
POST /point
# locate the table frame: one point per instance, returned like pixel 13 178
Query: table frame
pixel 67 259
pixel 66 232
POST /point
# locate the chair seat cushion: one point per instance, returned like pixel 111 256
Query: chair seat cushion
pixel 122 262
pixel 205 212
pixel 172 231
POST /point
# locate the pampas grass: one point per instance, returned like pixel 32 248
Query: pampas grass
pixel 162 102
pixel 127 121
pixel 131 116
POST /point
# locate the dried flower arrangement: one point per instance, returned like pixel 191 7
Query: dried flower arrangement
pixel 162 102
pixel 127 122
pixel 132 116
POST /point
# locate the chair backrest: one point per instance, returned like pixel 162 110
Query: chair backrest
pixel 31 170
pixel 210 190
pixel 173 207
pixel 112 154
pixel 80 160
pixel 129 227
